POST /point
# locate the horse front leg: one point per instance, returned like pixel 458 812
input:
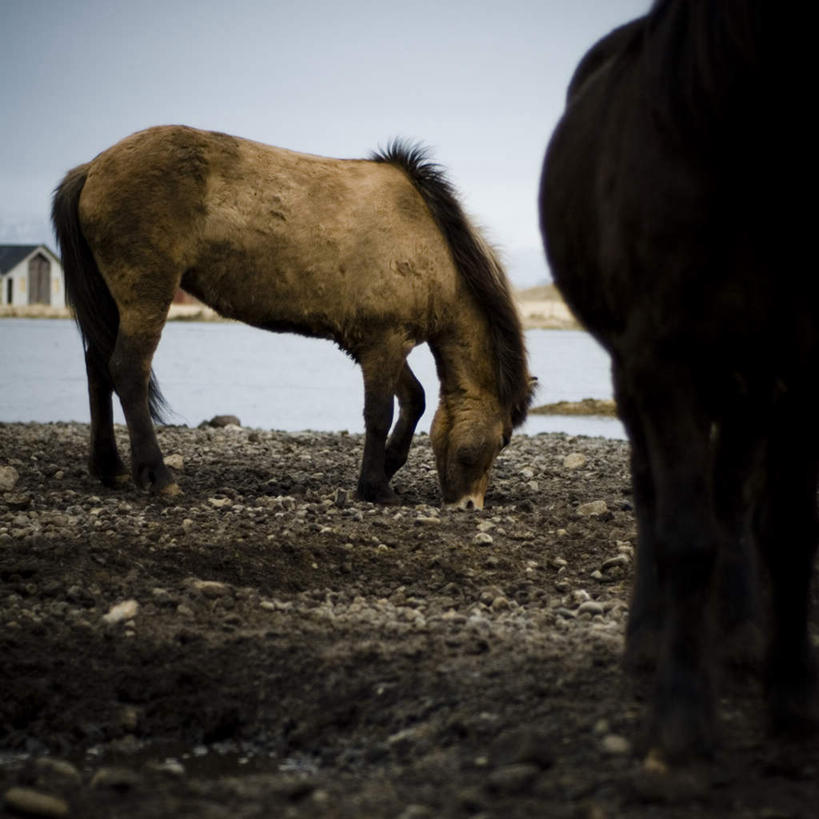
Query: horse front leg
pixel 411 405
pixel 104 462
pixel 381 365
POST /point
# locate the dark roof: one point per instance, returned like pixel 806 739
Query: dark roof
pixel 11 255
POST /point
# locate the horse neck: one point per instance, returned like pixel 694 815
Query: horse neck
pixel 465 358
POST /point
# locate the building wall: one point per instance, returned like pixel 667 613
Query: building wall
pixel 18 276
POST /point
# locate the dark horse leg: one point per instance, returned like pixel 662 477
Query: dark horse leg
pixel 382 367
pixel 130 368
pixel 411 405
pixel 105 462
pixel 684 548
pixel 737 440
pixel 645 614
pixel 736 448
pixel 787 531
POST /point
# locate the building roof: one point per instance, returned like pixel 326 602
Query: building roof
pixel 12 255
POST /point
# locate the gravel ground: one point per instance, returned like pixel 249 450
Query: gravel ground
pixel 265 645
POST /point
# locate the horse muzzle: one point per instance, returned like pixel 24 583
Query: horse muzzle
pixel 468 503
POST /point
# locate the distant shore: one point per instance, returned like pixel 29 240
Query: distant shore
pixel 540 308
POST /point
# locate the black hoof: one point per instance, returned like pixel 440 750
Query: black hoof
pixel 378 494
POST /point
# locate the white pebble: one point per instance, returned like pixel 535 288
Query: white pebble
pixel 126 610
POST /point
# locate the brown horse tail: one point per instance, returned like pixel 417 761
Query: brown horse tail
pixel 478 265
pixel 94 307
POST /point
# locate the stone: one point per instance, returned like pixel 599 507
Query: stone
pixel 574 460
pixel 483 539
pixel 592 508
pixel 590 607
pixel 615 744
pixel 220 421
pixel 8 478
pixel 175 462
pixel 29 802
pixel 126 610
pixel 119 779
pixel 211 588
pixel 515 778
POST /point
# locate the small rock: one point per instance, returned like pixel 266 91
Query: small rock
pixel 619 561
pixel 175 462
pixel 597 507
pixel 483 539
pixel 590 607
pixel 119 779
pixel 574 460
pixel 211 588
pixel 30 802
pixel 341 498
pixel 219 421
pixel 615 744
pixel 20 500
pixel 500 603
pixel 512 779
pixel 126 610
pixel 220 502
pixel 49 769
pixel 8 478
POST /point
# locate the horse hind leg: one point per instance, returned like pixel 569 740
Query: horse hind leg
pixel 411 403
pixel 130 368
pixel 685 543
pixel 786 528
pixel 105 462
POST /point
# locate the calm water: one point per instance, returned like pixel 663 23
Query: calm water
pixel 268 380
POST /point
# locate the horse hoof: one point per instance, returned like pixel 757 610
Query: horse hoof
pixel 117 481
pixel 382 494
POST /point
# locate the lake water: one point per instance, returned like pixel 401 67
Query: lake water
pixel 271 381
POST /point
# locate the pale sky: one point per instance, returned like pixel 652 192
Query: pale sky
pixel 481 83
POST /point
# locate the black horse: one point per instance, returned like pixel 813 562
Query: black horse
pixel 673 225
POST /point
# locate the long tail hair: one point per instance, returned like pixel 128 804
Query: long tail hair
pixel 478 265
pixel 94 307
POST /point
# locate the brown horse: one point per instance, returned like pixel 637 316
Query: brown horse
pixel 376 255
pixel 672 212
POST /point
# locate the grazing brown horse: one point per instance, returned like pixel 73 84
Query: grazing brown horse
pixel 673 226
pixel 376 255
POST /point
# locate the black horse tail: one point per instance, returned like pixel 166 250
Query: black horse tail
pixel 94 307
pixel 479 266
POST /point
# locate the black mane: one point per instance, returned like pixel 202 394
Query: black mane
pixel 479 266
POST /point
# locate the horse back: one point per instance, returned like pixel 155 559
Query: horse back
pixel 268 236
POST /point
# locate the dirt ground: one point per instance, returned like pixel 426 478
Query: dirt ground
pixel 264 645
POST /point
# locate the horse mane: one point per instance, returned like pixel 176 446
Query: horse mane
pixel 478 264
pixel 703 64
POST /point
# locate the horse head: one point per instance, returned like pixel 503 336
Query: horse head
pixel 466 440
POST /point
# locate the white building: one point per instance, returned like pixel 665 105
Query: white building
pixel 30 274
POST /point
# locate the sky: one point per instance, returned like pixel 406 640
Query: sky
pixel 481 82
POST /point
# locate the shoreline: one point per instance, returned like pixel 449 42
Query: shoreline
pixel 540 308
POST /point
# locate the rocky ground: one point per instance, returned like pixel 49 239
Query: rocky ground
pixel 266 646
